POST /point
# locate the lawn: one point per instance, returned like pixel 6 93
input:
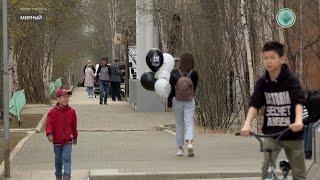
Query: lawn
pixel 14 139
pixel 27 121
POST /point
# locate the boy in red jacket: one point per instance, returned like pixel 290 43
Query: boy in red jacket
pixel 61 130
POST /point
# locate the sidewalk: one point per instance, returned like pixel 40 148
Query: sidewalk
pixel 115 138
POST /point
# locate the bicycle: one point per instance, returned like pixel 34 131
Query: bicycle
pixel 284 165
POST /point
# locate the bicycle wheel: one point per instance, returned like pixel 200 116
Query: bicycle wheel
pixel 271 174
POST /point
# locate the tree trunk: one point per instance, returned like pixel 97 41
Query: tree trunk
pixel 50 69
pixel 163 35
pixel 11 72
pixel 69 77
pixel 280 29
pixel 301 51
pixel 127 73
pixel 45 65
pixel 267 10
pixel 247 45
pixel 260 38
pixel 113 14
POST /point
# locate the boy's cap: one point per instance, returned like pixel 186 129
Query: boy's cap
pixel 62 92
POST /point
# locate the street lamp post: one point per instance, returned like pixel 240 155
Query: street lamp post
pixel 6 147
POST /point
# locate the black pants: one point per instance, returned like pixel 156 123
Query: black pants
pixel 115 91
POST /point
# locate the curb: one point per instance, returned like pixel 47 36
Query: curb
pixel 170 132
pixel 113 130
pixel 106 174
pixel 162 128
pixel 25 130
pixel 16 150
pixel 41 123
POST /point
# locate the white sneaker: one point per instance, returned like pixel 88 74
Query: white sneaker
pixel 180 152
pixel 190 150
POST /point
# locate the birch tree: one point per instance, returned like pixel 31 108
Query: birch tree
pixel 247 44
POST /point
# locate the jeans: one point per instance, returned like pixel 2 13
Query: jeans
pixel 184 111
pixel 104 90
pixel 90 91
pixel 115 91
pixel 63 158
pixel 294 150
pixel 308 138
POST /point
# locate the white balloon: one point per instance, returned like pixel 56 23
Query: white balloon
pixel 168 63
pixel 163 75
pixel 162 87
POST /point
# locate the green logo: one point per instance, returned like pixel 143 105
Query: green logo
pixel 286 18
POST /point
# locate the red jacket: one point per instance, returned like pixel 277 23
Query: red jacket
pixel 62 124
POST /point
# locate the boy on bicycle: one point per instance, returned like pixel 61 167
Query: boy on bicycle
pixel 280 92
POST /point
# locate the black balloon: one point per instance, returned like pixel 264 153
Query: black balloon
pixel 154 59
pixel 148 80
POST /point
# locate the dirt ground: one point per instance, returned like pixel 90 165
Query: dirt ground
pixel 14 139
pixel 27 121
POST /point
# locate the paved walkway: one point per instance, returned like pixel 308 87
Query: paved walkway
pixel 114 137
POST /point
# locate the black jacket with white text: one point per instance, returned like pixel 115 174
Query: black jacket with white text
pixel 280 98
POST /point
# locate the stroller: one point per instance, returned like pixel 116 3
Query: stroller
pixel 96 89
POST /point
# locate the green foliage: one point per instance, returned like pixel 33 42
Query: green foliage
pixel 38 45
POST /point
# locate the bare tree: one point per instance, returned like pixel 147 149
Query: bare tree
pixel 247 44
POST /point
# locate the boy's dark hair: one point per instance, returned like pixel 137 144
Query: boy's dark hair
pixel 104 59
pixel 274 46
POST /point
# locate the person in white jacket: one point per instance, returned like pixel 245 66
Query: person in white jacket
pixel 89 80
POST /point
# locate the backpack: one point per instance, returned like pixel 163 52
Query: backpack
pixel 184 88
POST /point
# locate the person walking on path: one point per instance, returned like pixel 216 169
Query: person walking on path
pixel 279 91
pixel 89 80
pixel 103 76
pixel 184 82
pixel 312 105
pixel 61 130
pixel 115 80
pixel 85 67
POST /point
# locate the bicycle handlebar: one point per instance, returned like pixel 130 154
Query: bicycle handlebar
pixel 279 134
pixel 265 135
pixel 260 136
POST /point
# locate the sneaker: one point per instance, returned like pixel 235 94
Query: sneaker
pixel 308 155
pixel 65 177
pixel 180 152
pixel 105 103
pixel 100 102
pixel 190 151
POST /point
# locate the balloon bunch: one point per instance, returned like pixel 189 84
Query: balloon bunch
pixel 161 66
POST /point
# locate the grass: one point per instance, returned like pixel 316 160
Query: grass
pixel 14 139
pixel 27 121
